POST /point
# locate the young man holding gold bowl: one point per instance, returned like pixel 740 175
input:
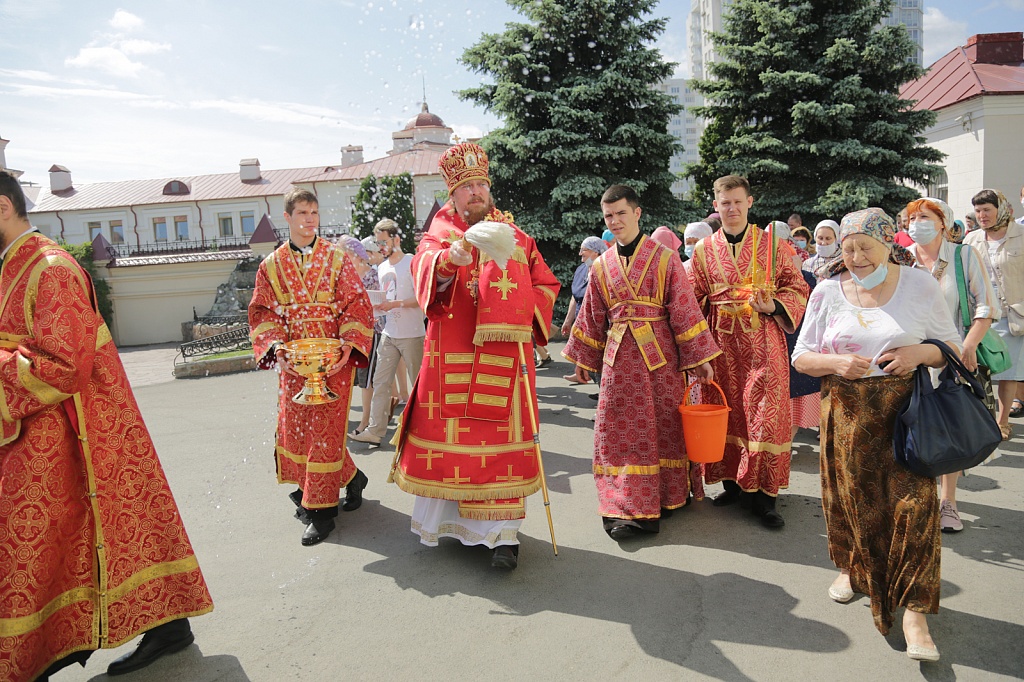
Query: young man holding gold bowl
pixel 309 289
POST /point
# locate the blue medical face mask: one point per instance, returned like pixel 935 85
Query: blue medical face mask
pixel 800 243
pixel 688 249
pixel 874 279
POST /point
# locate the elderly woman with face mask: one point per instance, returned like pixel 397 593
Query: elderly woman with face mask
pixel 862 334
pixel 693 233
pixel 929 225
pixel 825 245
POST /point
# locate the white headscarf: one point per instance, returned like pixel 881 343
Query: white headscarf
pixel 831 224
pixel 781 230
pixel 698 230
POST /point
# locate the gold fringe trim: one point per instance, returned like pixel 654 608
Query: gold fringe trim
pixel 482 336
pixel 492 515
pixel 451 491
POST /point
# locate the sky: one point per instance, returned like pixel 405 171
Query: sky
pixel 127 90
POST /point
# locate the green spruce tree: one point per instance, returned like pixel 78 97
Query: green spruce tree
pixel 804 102
pixel 574 89
pixel 364 210
pixel 396 202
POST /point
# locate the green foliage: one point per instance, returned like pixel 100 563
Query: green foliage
pixel 82 253
pixel 390 196
pixel 574 88
pixel 805 103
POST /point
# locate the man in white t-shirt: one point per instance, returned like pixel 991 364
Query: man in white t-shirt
pixel 403 329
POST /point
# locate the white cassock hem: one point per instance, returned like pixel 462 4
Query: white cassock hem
pixel 433 519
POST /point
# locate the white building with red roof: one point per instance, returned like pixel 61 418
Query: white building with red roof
pixel 977 91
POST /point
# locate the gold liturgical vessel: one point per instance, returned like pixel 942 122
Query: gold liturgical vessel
pixel 313 359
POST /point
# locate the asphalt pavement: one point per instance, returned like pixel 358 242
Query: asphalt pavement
pixel 713 596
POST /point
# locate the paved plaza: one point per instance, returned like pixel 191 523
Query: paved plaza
pixel 713 596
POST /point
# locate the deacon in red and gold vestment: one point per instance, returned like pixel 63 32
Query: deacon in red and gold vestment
pixel 465 445
pixel 92 547
pixel 309 289
pixel 641 328
pixel 749 300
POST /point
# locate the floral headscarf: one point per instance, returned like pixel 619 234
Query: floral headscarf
pixel 1004 213
pixel 875 223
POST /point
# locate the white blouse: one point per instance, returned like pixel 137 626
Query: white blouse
pixel 981 295
pixel 915 312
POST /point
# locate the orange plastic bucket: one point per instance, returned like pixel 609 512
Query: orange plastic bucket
pixel 704 427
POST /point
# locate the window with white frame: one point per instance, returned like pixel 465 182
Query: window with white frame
pixel 95 228
pixel 160 229
pixel 248 222
pixel 116 232
pixel 226 223
pixel 181 228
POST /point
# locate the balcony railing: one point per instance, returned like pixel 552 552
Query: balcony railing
pixel 179 246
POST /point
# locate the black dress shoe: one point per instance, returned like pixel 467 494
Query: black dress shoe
pixel 160 641
pixel 772 519
pixel 354 492
pixel 317 531
pixel 545 362
pixel 595 396
pixel 506 557
pixel 729 496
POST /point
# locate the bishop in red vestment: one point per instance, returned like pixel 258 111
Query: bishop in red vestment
pixel 750 291
pixel 465 445
pixel 641 328
pixel 309 289
pixel 92 547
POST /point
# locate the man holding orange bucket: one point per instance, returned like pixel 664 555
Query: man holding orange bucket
pixel 640 326
pixel 751 292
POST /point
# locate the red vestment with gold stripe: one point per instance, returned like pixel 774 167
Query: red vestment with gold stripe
pixel 92 547
pixel 466 434
pixel 318 295
pixel 640 326
pixel 753 370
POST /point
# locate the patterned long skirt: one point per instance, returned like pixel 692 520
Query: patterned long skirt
pixel 883 520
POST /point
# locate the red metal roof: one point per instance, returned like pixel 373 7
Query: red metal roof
pixel 956 77
pixel 142 192
pixel 420 160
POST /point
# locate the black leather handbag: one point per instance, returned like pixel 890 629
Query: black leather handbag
pixel 948 428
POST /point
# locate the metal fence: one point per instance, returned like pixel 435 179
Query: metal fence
pixel 182 246
pixel 236 339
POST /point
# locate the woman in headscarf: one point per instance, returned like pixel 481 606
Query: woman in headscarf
pixel 693 233
pixel 1000 241
pixel 862 334
pixel 667 238
pixel 590 249
pixel 359 253
pixel 825 245
pixel 933 249
pixel 800 237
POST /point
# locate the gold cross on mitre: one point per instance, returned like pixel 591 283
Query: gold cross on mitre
pixel 504 284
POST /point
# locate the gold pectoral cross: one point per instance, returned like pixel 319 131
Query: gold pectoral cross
pixel 504 284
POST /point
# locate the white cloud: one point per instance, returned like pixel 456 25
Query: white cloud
pixel 29 75
pixel 284 112
pixel 276 49
pixel 50 92
pixel 107 59
pixel 467 131
pixel 941 34
pixel 125 21
pixel 136 46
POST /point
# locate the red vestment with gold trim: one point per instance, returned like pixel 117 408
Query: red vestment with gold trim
pixel 317 295
pixel 466 434
pixel 640 326
pixel 92 547
pixel 753 370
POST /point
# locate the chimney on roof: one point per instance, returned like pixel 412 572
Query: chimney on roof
pixel 249 170
pixel 996 48
pixel 351 155
pixel 60 179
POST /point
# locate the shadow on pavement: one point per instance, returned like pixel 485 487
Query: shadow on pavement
pixel 190 665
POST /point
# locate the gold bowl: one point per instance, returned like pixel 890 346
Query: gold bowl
pixel 313 359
